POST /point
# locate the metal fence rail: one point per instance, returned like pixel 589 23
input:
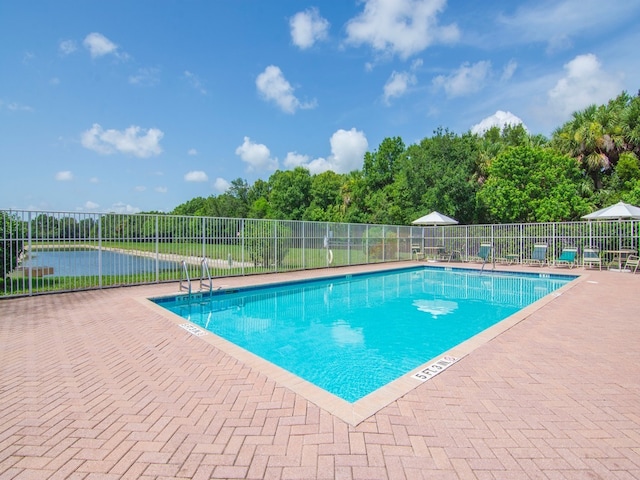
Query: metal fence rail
pixel 63 251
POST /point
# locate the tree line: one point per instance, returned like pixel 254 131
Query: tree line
pixel 505 175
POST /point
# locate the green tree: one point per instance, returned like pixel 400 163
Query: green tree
pixel 380 166
pixel 289 194
pixel 633 194
pixel 595 136
pixel 326 197
pixel 374 192
pixel 628 168
pixel 257 200
pixel 266 242
pixel 438 174
pixel 11 243
pixel 195 207
pixel 631 125
pixel 353 194
pixel 259 209
pixel 239 191
pixel 532 184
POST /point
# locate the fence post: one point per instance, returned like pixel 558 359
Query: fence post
pixel 157 247
pixel 100 251
pixel 242 243
pixel 30 276
pixel 348 244
pixel 204 239
pixel 275 243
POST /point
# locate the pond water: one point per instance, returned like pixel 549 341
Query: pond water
pixel 76 263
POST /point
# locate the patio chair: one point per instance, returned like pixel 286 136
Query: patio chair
pixel 632 263
pixel 591 257
pixel 538 256
pixel 567 257
pixel 446 255
pixel 484 253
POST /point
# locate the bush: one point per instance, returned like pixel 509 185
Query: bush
pixel 10 244
pixel 267 243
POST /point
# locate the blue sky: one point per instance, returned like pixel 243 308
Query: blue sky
pixel 129 106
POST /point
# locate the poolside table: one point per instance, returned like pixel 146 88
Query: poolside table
pixel 433 252
pixel 617 256
pixel 509 259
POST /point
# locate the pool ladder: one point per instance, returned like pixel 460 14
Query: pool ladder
pixel 205 277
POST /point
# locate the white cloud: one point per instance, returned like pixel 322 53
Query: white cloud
pixel 121 207
pixel 307 28
pixel 584 83
pixel 195 82
pixel 398 84
pixel 318 165
pixel 192 151
pixel 294 159
pixel 347 150
pixel 89 205
pixel 67 47
pixel 161 189
pixel 465 80
pixel 347 153
pixel 27 57
pixel 145 77
pixel 99 46
pixel 498 119
pixel 402 27
pixel 94 180
pixel 132 141
pixel 64 176
pixel 275 88
pixel 257 156
pixel 18 107
pixel 220 185
pixel 196 176
pixel 555 22
pixel 140 188
pixel 508 70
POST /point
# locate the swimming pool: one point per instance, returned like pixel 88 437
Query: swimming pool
pixel 353 334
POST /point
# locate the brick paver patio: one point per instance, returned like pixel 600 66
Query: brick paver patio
pixel 95 385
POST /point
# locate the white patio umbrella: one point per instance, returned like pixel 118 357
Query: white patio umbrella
pixel 619 211
pixel 435 218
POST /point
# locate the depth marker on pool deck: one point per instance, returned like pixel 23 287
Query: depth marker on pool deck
pixel 434 369
pixel 192 329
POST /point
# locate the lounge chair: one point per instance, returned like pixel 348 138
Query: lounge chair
pixel 632 263
pixel 538 256
pixel 591 257
pixel 567 257
pixel 484 253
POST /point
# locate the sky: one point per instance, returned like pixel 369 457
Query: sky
pixel 136 106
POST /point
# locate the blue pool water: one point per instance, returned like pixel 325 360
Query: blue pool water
pixel 74 263
pixel 352 335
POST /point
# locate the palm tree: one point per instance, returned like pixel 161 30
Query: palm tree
pixel 595 137
pixel 631 125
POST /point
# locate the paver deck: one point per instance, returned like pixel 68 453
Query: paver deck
pixel 97 385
